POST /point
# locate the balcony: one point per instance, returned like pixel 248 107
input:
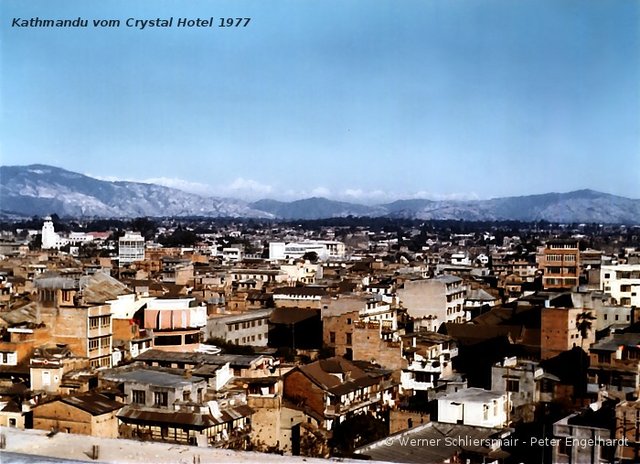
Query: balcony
pixel 339 409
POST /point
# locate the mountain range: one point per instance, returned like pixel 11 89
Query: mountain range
pixel 42 190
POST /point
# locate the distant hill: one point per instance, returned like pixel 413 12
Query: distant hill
pixel 42 190
pixel 316 208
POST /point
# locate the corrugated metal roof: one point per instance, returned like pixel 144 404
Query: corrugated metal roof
pixel 93 403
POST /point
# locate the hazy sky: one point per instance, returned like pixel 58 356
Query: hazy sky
pixel 351 99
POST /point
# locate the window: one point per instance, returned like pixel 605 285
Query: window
pixel 94 322
pixel 604 358
pixel 348 339
pixel 332 337
pixel 167 340
pixel 160 398
pixel 564 447
pixel 513 385
pixel 138 396
pixel 190 339
pixel 348 321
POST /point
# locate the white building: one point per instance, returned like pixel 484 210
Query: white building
pixel 325 249
pixel 622 282
pixel 461 259
pixel 429 356
pixel 306 272
pixel 232 254
pixel 131 248
pixel 474 406
pixel 51 239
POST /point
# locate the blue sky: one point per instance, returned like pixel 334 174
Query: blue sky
pixel 351 99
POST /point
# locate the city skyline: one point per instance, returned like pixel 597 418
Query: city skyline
pixel 360 103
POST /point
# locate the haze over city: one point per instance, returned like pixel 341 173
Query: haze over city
pixel 365 103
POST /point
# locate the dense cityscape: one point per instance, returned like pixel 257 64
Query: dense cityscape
pixel 242 231
pixel 371 338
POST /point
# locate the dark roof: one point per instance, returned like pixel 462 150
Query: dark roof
pixel 93 403
pixel 474 333
pixel 292 315
pixel 12 406
pixel 322 372
pixel 301 291
pixel 189 420
pixel 614 341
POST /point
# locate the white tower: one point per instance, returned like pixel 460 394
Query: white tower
pixel 49 236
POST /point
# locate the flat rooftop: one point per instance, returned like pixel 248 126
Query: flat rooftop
pixel 29 446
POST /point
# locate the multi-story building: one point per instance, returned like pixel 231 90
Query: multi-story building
pixel 560 331
pixel 622 282
pixel 338 316
pixel 246 328
pixel 585 436
pixel 78 315
pixel 175 323
pixel 628 431
pixel 332 389
pixel 441 298
pixel 527 385
pixel 615 365
pixel 429 356
pixel 130 248
pixel 560 264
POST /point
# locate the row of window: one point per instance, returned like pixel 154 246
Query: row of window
pixel 170 340
pixel 250 339
pixel 245 325
pixel 606 316
pixel 95 343
pixel 140 397
pixel 566 258
pixel 99 321
pixel 105 361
